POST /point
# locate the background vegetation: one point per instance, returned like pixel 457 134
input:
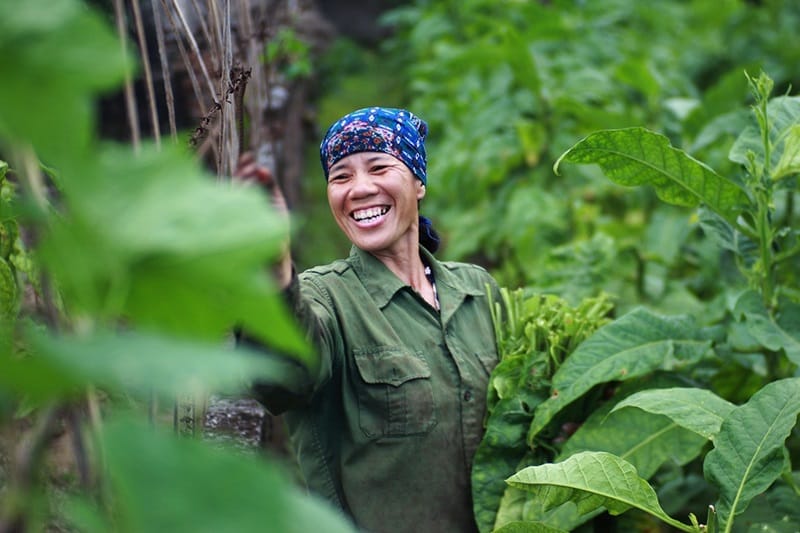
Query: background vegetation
pixel 122 269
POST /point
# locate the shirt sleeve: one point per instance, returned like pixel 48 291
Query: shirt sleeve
pixel 297 384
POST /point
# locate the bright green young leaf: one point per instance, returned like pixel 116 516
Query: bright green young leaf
pixel 591 480
pixel 697 410
pixel 633 345
pixel 783 113
pixel 140 363
pixel 636 156
pixel 159 482
pixel 789 164
pixel 749 451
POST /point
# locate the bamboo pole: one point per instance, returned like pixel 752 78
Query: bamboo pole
pixel 148 73
pixel 130 96
pixel 169 96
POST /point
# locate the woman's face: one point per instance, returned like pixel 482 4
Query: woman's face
pixel 373 197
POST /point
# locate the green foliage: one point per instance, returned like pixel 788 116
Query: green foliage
pixel 138 267
pixel 590 480
pixel 175 484
pixel 508 86
pixel 534 334
pixel 752 448
pixel 290 53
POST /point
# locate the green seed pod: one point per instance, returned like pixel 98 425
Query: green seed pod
pixel 8 291
pixel 8 236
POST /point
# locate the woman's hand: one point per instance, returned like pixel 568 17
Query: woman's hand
pixel 248 171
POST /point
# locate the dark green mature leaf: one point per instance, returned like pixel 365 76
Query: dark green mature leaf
pixel 139 363
pixel 633 345
pixel 779 330
pixel 592 480
pixel 637 156
pixel 783 113
pixel 749 451
pixel 159 482
pixel 698 410
pixel 726 236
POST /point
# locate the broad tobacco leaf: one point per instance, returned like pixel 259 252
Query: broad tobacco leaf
pixel 592 480
pixel 637 156
pixel 636 344
pixel 647 440
pixel 749 452
pixel 698 410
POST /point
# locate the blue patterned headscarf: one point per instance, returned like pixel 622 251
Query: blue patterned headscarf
pixel 396 132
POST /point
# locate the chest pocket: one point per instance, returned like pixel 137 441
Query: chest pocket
pixel 395 396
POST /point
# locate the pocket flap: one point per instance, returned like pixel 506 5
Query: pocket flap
pixel 392 366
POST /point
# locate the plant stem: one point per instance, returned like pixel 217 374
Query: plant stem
pixel 765 245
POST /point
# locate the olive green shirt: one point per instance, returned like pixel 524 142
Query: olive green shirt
pixel 391 423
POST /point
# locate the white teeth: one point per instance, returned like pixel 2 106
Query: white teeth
pixel 372 212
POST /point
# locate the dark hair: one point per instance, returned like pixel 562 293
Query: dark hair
pixel 428 237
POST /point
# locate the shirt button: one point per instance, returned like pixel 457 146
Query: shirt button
pixel 467 395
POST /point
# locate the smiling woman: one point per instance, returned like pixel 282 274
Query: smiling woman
pixel 387 427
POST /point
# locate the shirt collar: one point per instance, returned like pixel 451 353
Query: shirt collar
pixel 383 284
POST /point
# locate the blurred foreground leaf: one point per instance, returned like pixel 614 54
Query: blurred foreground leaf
pixel 137 362
pixel 159 482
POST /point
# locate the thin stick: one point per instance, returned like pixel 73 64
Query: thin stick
pixel 165 74
pixel 193 43
pixel 130 97
pixel 148 73
pixel 198 93
pixel 204 28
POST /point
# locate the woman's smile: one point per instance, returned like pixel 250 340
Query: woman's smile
pixel 370 216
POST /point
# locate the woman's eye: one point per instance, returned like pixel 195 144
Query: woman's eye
pixel 378 168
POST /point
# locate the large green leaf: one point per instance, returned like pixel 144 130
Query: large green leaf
pixel 633 345
pixel 591 480
pixel 159 482
pixel 637 156
pixel 138 363
pixel 697 410
pixel 646 441
pixel 749 452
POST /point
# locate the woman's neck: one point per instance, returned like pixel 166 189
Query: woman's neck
pixel 408 266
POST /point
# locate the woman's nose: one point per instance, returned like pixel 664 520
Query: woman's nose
pixel 362 184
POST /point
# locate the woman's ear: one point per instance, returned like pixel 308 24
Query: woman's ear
pixel 420 190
